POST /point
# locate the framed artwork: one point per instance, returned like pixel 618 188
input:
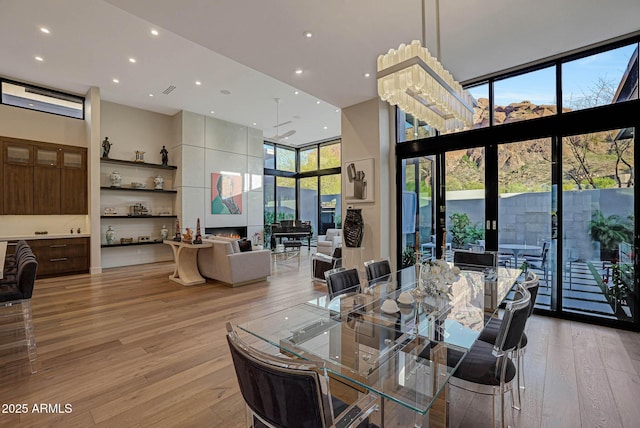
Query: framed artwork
pixel 360 180
pixel 226 193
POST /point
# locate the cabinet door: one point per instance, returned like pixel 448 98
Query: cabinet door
pixel 46 180
pixel 17 177
pixel 73 184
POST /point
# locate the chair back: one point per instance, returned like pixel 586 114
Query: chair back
pixel 26 278
pixel 341 281
pixel 377 270
pixel 472 260
pixel 280 392
pixel 513 322
pixel 532 284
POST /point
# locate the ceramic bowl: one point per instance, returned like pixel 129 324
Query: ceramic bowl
pixel 389 306
pixel 405 298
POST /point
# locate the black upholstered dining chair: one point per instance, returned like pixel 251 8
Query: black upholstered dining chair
pixel 16 289
pixel 286 393
pixel 473 260
pixel 487 368
pixel 489 334
pixel 341 281
pixel 377 270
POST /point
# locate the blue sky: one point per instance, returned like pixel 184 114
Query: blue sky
pixel 578 77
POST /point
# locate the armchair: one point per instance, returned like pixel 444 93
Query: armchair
pixel 321 263
pixel 329 242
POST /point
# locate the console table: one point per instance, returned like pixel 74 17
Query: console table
pixel 186 258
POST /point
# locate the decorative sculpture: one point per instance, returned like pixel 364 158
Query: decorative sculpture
pixel 198 239
pixel 353 227
pixel 188 236
pixel 165 156
pixel 177 236
pixel 106 146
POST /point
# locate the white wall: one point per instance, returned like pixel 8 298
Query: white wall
pixel 366 133
pixel 211 145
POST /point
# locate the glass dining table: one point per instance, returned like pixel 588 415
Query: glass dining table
pixel 397 351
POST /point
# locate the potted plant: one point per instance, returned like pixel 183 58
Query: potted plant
pixel 463 232
pixel 408 257
pixel 609 232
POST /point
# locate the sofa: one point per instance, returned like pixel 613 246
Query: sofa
pixel 330 241
pixel 224 262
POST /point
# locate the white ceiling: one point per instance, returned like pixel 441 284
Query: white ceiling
pixel 252 47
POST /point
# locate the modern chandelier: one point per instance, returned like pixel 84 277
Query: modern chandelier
pixel 411 78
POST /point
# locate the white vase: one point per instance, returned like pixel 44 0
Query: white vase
pixel 116 179
pixel 164 232
pixel 159 183
pixel 110 235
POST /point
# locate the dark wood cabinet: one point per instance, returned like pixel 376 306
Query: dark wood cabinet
pixel 42 178
pixel 64 256
pixel 46 180
pixel 17 177
pixel 73 181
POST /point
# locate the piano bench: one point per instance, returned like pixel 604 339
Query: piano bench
pixel 292 244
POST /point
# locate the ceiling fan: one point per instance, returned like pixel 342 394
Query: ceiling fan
pixel 278 137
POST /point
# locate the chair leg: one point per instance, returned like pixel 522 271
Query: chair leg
pixel 521 368
pixel 30 335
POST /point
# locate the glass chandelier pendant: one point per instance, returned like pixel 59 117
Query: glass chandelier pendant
pixel 411 78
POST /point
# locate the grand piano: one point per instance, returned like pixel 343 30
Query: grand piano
pixel 291 229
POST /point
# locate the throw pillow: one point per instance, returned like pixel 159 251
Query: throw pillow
pixel 244 245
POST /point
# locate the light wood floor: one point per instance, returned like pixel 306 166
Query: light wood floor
pixel 129 348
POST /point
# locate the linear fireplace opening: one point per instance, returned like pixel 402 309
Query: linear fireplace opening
pixel 227 232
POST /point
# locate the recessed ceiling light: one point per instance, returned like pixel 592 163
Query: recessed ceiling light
pixel 367 74
pixel 308 34
pixel 154 32
pixel 30 105
pixel 317 102
pixel 254 124
pixel 39 58
pixel 198 82
pixel 299 71
pixel 337 110
pixel 132 60
pixel 150 95
pixel 296 93
pixel 45 30
pixel 225 92
pixel 324 127
pixel 286 138
pixel 116 81
pixel 213 112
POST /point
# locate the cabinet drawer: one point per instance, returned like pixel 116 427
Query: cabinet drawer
pixel 61 256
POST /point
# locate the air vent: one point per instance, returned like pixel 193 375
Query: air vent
pixel 169 90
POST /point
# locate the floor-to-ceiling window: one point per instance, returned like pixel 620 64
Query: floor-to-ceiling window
pixel 546 178
pixel 303 184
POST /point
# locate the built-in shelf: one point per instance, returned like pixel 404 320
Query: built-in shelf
pixel 138 216
pixel 131 244
pixel 131 189
pixel 133 163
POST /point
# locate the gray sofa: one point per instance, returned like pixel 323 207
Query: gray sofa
pixel 225 263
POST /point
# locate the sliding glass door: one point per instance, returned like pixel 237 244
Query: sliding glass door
pixel 598 223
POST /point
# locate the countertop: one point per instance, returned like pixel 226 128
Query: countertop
pixel 48 236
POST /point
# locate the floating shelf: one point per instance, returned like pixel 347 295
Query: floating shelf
pixel 131 244
pixel 138 216
pixel 133 163
pixel 131 189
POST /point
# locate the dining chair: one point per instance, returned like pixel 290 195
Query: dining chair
pixel 492 328
pixel 472 260
pixel 488 368
pixel 341 281
pixel 377 271
pixel 16 289
pixel 284 392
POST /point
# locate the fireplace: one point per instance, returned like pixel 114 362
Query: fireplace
pixel 228 232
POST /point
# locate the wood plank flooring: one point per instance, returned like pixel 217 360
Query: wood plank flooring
pixel 130 348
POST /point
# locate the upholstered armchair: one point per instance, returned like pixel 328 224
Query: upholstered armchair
pixel 321 263
pixel 329 242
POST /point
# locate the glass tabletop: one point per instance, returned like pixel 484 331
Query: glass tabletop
pixel 400 355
